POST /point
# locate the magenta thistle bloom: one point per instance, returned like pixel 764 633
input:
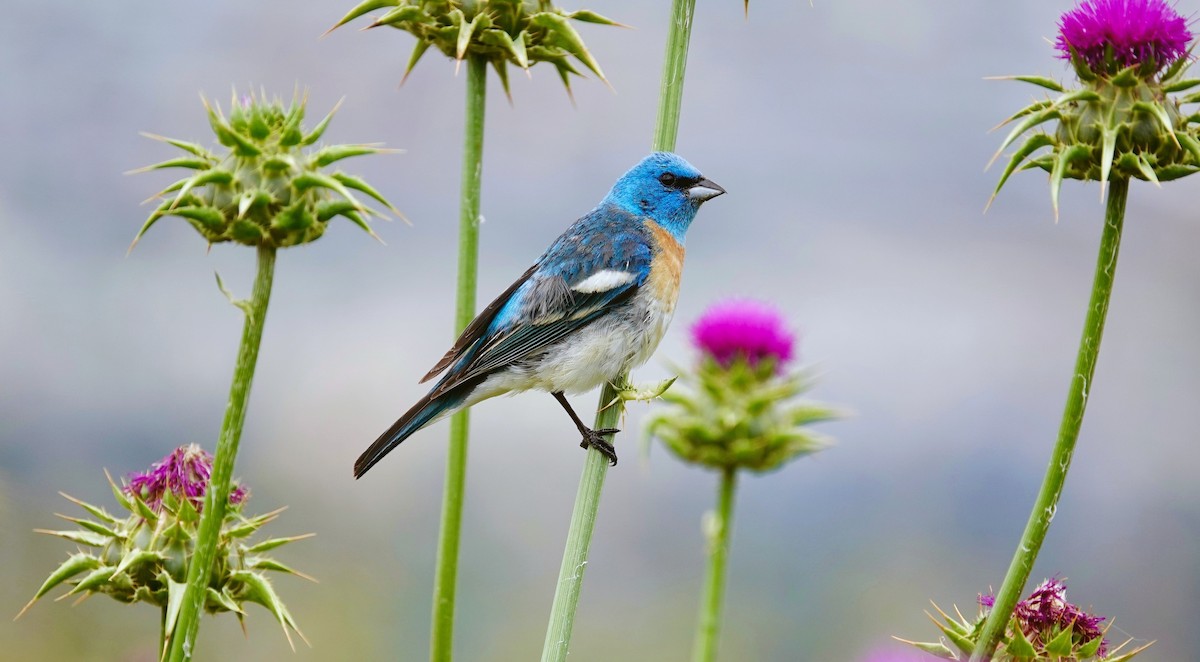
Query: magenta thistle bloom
pixel 888 654
pixel 184 473
pixel 1046 612
pixel 744 328
pixel 1137 31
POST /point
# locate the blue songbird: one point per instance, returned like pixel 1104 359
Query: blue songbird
pixel 593 306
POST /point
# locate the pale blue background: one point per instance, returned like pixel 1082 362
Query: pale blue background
pixel 851 137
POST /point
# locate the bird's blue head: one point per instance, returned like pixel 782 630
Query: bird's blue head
pixel 666 189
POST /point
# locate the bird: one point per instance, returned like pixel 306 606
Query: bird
pixel 593 306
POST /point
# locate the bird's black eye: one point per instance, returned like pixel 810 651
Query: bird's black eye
pixel 667 179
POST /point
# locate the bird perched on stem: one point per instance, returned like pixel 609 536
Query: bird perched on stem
pixel 593 306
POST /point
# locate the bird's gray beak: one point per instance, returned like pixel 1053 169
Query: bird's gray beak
pixel 704 189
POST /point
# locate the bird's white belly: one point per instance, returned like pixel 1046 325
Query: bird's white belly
pixel 590 357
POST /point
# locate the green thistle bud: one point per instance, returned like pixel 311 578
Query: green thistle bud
pixel 520 32
pixel 737 413
pixel 267 189
pixel 1123 121
pixel 143 556
pixel 1044 628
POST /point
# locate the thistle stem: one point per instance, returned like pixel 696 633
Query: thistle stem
pixel 446 580
pixel 216 498
pixel 1056 473
pixel 705 648
pixel 610 407
pixel 670 95
pixel 579 540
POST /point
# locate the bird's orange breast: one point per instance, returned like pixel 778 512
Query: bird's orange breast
pixel 667 266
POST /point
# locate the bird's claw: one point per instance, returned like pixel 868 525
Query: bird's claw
pixel 595 439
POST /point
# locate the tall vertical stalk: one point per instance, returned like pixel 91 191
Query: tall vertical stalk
pixel 670 94
pixel 705 647
pixel 610 407
pixel 445 583
pixel 216 499
pixel 1056 473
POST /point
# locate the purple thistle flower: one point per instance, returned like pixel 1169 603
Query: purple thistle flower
pixel 744 328
pixel 1137 31
pixel 1046 612
pixel 1047 608
pixel 184 473
pixel 890 654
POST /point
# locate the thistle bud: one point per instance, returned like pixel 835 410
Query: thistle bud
pixel 502 32
pixel 737 413
pixel 267 188
pixel 1043 627
pixel 143 556
pixel 1123 120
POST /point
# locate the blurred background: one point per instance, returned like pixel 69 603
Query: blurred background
pixel 851 137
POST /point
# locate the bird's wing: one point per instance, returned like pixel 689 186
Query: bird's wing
pixel 527 338
pixel 477 327
pixel 596 265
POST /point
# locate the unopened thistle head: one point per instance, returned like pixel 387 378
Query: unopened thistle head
pixel 1124 120
pixel 737 413
pixel 143 555
pixel 1044 627
pixel 503 32
pixel 268 189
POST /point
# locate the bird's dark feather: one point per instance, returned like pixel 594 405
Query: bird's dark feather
pixel 505 349
pixel 477 327
pixel 427 408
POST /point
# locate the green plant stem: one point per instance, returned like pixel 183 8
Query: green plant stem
pixel 579 540
pixel 610 407
pixel 442 635
pixel 670 95
pixel 162 634
pixel 216 499
pixel 705 648
pixel 1056 473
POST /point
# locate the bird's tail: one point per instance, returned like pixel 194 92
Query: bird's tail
pixel 423 413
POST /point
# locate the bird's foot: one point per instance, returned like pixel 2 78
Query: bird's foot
pixel 595 439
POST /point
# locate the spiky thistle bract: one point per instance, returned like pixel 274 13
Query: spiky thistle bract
pixel 268 188
pixel 503 32
pixel 142 556
pixel 1126 119
pixel 1043 628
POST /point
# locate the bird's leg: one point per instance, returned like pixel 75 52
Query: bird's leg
pixel 594 438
